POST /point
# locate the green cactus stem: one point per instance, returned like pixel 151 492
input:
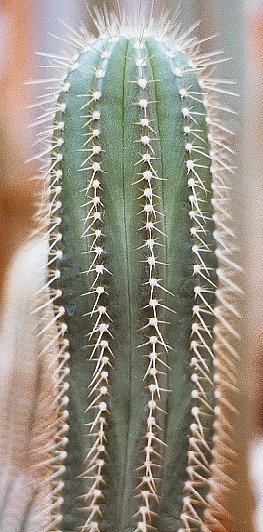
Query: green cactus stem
pixel 141 283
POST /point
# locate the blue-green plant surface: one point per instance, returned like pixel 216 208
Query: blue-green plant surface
pixel 141 282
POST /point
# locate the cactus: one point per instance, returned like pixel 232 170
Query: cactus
pixel 140 279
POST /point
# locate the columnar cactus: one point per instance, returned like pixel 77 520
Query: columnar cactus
pixel 140 282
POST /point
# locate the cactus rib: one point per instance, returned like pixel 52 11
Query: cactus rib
pixel 101 352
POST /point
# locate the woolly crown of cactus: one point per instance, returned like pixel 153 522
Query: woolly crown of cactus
pixel 141 282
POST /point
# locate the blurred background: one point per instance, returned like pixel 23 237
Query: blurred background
pixel 25 28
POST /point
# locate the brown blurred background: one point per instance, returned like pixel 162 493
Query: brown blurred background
pixel 24 28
